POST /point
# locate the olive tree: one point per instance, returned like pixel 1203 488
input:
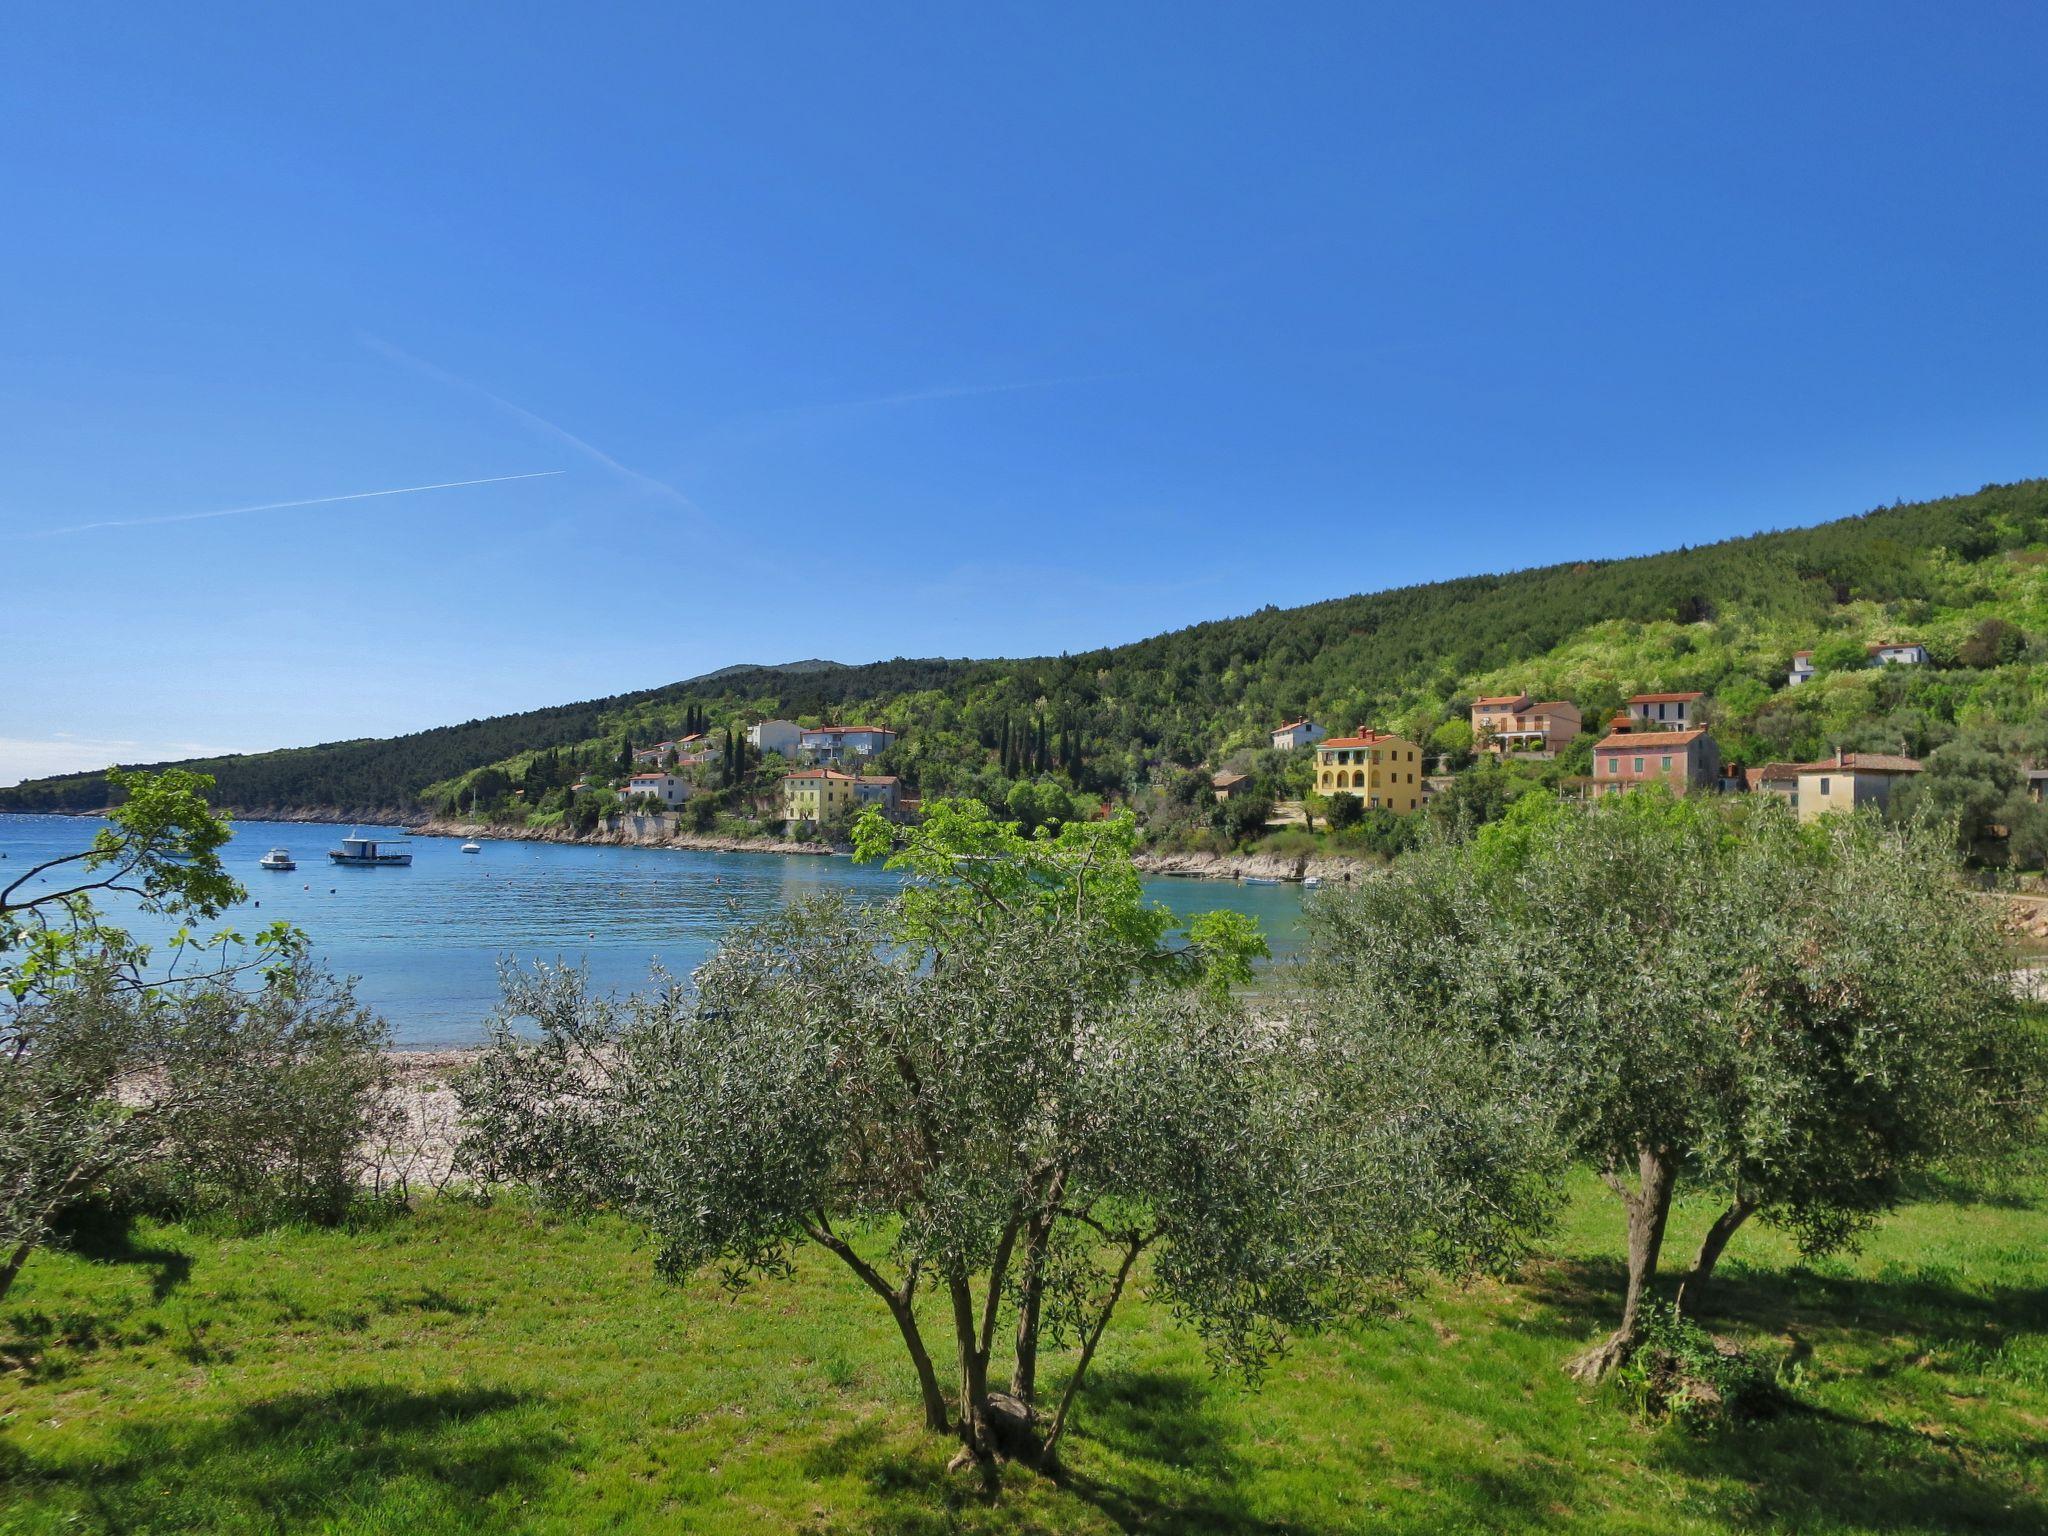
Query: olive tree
pixel 1004 1089
pixel 234 1069
pixel 1794 1018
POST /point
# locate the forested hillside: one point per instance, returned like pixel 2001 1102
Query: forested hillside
pixel 1966 576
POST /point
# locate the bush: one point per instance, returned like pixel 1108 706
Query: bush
pixel 1344 811
pixel 285 1088
pixel 1683 1374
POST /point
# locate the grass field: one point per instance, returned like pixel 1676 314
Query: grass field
pixel 472 1369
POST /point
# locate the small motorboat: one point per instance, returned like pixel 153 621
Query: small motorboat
pixel 277 858
pixel 1312 881
pixel 472 847
pixel 371 852
pixel 1261 879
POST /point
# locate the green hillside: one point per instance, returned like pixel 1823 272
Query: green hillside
pixel 1966 576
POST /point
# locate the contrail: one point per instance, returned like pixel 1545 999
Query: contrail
pixel 538 423
pixel 280 506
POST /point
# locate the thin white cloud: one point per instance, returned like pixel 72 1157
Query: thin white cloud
pixel 280 506
pixel 539 424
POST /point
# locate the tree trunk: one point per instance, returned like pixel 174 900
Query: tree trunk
pixel 1024 1373
pixel 977 1444
pixel 1649 1208
pixel 935 1415
pixel 1693 1288
pixel 13 1267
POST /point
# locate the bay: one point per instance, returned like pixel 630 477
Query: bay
pixel 426 942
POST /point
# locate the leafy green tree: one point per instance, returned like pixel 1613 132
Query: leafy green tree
pixel 109 1064
pixel 1795 1019
pixel 1840 653
pixel 1008 1087
pixel 1343 811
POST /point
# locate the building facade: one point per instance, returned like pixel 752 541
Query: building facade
pixel 1665 711
pixel 1802 669
pixel 665 787
pixel 1297 733
pixel 816 794
pixel 1851 780
pixel 1891 653
pixel 1383 770
pixel 1681 761
pixel 775 736
pixel 844 743
pixel 1517 723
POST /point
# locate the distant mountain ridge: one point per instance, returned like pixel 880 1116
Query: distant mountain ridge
pixel 1720 617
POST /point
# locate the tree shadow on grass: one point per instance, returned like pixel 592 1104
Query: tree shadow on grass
pixel 1179 1470
pixel 102 1234
pixel 436 1459
pixel 1812 1467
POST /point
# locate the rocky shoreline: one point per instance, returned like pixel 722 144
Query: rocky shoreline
pixel 622 832
pixel 1325 869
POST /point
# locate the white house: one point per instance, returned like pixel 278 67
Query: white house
pixel 1889 653
pixel 665 787
pixel 844 743
pixel 1667 711
pixel 775 736
pixel 1802 668
pixel 1297 733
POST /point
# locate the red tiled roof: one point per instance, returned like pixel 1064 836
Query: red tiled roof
pixel 1362 739
pixel 1499 701
pixel 820 773
pixel 1666 698
pixel 1292 725
pixel 1225 780
pixel 1637 741
pixel 1797 654
pixel 1865 762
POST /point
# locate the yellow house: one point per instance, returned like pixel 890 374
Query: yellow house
pixel 1383 770
pixel 816 794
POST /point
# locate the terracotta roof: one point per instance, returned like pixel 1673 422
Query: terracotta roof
pixel 1797 654
pixel 874 778
pixel 1666 698
pixel 1292 725
pixel 1499 701
pixel 1872 647
pixel 1362 739
pixel 1626 741
pixel 1865 762
pixel 1225 780
pixel 1772 773
pixel 820 773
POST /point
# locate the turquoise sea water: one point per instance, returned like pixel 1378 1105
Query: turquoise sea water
pixel 426 941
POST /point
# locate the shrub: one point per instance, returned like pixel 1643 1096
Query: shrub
pixel 1684 1374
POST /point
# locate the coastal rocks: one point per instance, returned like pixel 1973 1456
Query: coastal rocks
pixel 623 832
pixel 1255 866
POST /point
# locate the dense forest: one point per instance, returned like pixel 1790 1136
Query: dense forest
pixel 1966 576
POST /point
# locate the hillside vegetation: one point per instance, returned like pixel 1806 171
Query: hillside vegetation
pixel 1966 576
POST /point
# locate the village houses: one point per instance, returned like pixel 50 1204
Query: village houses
pixel 665 787
pixel 780 736
pixel 1682 760
pixel 1297 733
pixel 1383 770
pixel 844 743
pixel 1841 783
pixel 816 795
pixel 1802 669
pixel 1893 653
pixel 1665 711
pixel 1516 723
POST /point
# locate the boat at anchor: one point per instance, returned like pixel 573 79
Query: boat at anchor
pixel 369 852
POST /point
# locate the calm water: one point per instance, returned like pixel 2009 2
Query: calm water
pixel 426 941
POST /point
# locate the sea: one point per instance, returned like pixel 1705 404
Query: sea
pixel 425 943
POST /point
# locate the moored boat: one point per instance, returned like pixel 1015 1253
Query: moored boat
pixel 277 858
pixel 472 847
pixel 369 852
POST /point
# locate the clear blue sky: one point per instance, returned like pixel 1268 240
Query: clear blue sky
pixel 857 331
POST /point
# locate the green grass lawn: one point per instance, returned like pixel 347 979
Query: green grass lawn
pixel 467 1369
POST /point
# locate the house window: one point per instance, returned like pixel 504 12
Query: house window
pixel 1823 786
pixel 1667 762
pixel 1639 765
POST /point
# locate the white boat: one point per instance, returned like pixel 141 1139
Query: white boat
pixel 1312 881
pixel 1261 880
pixel 277 858
pixel 472 847
pixel 369 852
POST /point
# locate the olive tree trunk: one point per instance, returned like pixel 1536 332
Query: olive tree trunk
pixel 1649 1208
pixel 1693 1288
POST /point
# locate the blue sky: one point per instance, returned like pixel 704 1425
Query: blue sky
pixel 859 331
